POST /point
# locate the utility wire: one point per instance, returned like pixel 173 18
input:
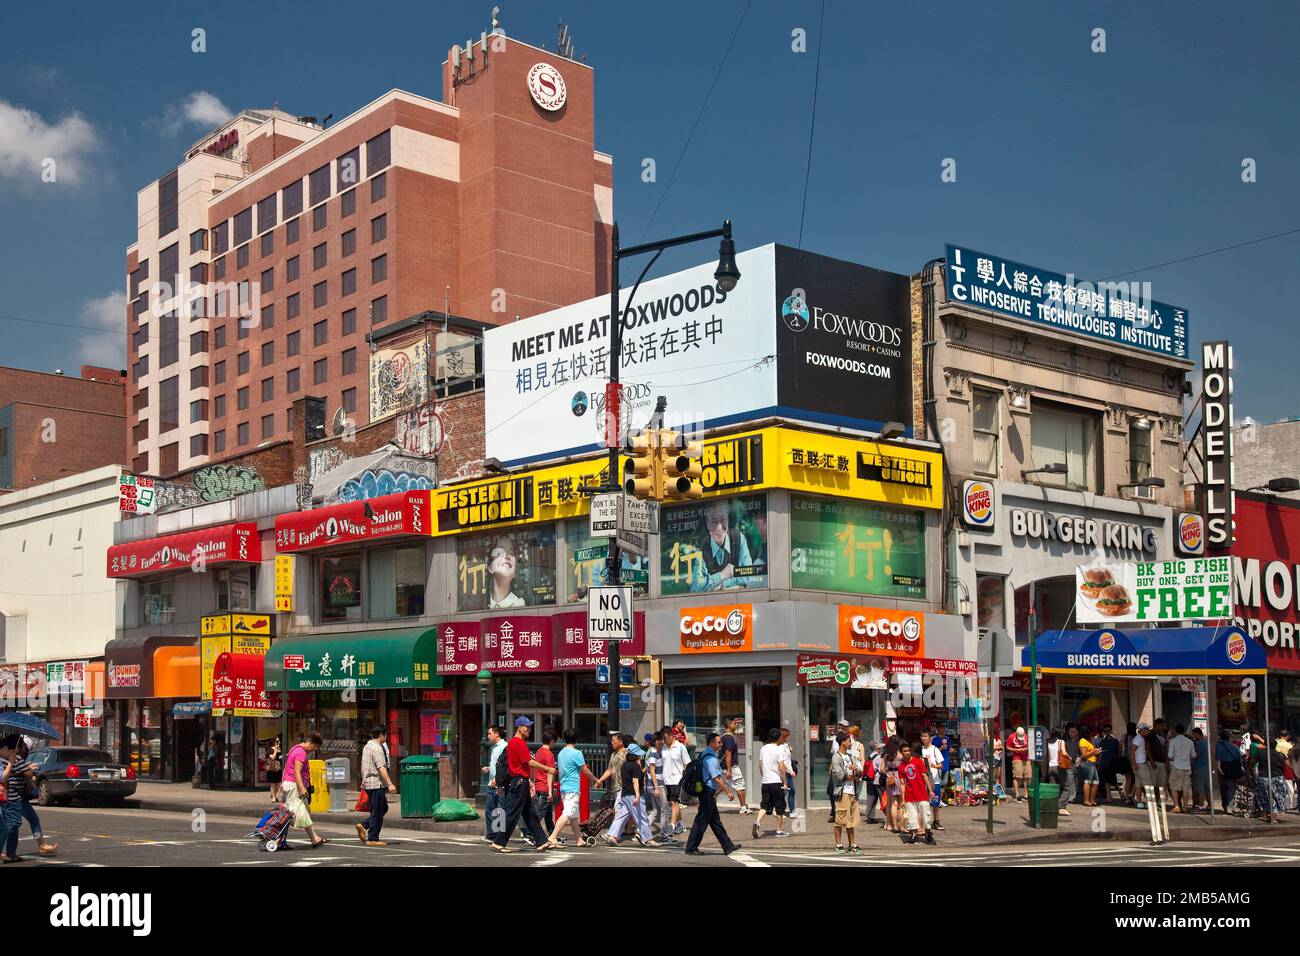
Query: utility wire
pixel 1202 255
pixel 812 124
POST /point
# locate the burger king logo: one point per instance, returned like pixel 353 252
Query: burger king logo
pixel 1106 642
pixel 1191 533
pixel 977 504
pixel 1237 648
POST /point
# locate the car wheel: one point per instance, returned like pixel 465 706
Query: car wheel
pixel 43 795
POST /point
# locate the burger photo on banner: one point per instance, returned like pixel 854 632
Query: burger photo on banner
pixel 503 570
pixel 1187 589
pixel 717 545
pixel 841 545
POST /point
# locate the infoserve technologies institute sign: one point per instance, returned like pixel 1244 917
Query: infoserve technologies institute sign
pixel 1122 313
pixel 801 335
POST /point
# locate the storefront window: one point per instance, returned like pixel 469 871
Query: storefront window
pixel 506 570
pixel 1089 708
pixel 527 693
pixel 1054 599
pixel 841 545
pixel 340 584
pixel 396 582
pixel 235 589
pixel 719 545
pixel 706 708
pixel 585 564
pixel 144 737
pixel 158 601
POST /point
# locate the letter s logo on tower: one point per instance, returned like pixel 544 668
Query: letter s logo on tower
pixel 547 87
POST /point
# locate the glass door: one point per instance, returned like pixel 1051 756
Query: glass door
pixel 823 716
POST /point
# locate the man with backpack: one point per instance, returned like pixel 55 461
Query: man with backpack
pixel 703 779
pixel 519 765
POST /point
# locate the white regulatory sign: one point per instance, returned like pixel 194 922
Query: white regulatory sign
pixel 641 516
pixel 609 614
pixel 604 515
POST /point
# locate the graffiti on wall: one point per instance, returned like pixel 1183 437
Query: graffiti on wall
pixel 399 378
pixel 170 496
pixel 218 482
pixel 372 484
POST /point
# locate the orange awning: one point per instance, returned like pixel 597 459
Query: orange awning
pixel 177 672
pixel 94 681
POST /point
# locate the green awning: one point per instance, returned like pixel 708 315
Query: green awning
pixel 369 660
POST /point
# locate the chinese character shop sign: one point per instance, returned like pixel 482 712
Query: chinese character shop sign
pixel 404 513
pixel 193 549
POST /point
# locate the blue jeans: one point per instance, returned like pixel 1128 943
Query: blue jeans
pixel 29 814
pixel 378 807
pixel 789 794
pixel 489 810
pixel 12 815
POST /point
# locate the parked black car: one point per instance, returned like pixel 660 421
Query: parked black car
pixel 63 773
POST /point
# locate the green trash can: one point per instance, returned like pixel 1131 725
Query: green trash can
pixel 1045 813
pixel 420 785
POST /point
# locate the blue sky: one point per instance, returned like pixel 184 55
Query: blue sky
pixel 1092 163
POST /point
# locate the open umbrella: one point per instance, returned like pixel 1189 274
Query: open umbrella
pixel 18 722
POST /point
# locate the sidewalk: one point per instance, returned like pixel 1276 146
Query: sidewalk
pixel 963 826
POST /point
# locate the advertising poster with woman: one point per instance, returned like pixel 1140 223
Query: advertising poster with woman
pixel 503 570
pixel 715 545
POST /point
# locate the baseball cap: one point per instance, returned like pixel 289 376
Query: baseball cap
pixel 1144 726
pixel 844 722
pixel 636 751
pixel 523 722
pixel 649 738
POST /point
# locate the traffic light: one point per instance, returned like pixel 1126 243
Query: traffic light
pixel 679 459
pixel 641 478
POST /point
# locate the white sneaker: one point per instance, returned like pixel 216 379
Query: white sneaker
pixel 1063 812
pixel 746 811
pixel 782 833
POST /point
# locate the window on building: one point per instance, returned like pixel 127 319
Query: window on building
pixel 349 321
pixel 221 238
pixel 242 366
pixel 1139 449
pixel 320 370
pixel 268 389
pixel 266 214
pixel 218 442
pixel 319 183
pixel 379 228
pixel 199 304
pixel 350 400
pixel 241 398
pixel 198 241
pixel 291 230
pixel 219 268
pixel 219 370
pixel 199 374
pixel 198 345
pixel 199 274
pixel 378 152
pixel 379 310
pixel 142 397
pixel 169 457
pixel 268 243
pixel 243 226
pixel 985 430
pixel 349 361
pixel 395 584
pixel 140 338
pixel 318 256
pixel 291 344
pixel 291 269
pixel 319 294
pixel 349 242
pixel 292 306
pixel 169 267
pixel 139 432
pixel 1062 436
pixel 348 203
pixel 379 187
pixel 221 305
pixel 268 316
pixel 219 407
pixel 340 587
pixel 198 446
pixel 291 200
pixel 319 218
pixel 140 369
pixel 349 282
pixel 158 601
pixel 291 381
pixel 169 397
pixel 237 589
pixel 268 353
pixel 140 464
pixel 138 276
pixel 268 426
pixel 320 332
pixel 168 205
pixel 348 168
pixel 288 419
pixel 142 304
pixel 241 433
pixel 268 280
pixel 199 411
pixel 378 269
pixel 241 257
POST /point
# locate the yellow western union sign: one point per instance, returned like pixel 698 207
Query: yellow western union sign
pixel 774 457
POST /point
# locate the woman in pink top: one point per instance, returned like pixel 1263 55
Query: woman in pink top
pixel 293 789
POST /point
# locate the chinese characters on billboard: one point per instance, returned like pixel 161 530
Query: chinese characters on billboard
pixel 714 546
pixel 859 548
pixel 503 570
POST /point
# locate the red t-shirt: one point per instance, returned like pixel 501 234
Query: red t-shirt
pixel 1019 749
pixel 517 757
pixel 545 756
pixel 679 736
pixel 914 775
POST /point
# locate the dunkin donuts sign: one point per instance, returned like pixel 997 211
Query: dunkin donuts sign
pixel 882 631
pixel 716 630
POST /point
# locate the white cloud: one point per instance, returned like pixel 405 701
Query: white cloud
pixel 99 347
pixel 27 141
pixel 200 109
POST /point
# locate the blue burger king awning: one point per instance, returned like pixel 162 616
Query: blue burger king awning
pixel 1199 651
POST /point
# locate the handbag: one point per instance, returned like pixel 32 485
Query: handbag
pixel 363 802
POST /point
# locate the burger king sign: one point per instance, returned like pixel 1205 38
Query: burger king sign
pixel 977 504
pixel 1189 534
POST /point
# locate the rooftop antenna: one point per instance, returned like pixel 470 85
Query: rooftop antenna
pixel 564 43
pixel 496 21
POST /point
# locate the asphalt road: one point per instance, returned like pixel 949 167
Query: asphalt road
pixel 131 837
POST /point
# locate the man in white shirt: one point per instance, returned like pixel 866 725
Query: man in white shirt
pixel 1181 751
pixel 933 758
pixel 772 769
pixel 1141 769
pixel 787 757
pixel 672 764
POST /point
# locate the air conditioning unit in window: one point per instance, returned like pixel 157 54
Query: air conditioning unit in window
pixel 410 695
pixel 1146 494
pixel 368 696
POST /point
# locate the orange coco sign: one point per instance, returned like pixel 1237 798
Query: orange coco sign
pixel 716 630
pixel 885 631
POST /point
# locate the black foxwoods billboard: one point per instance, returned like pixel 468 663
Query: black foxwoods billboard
pixel 844 341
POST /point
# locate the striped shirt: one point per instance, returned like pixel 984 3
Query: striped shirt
pixel 16 785
pixel 373 756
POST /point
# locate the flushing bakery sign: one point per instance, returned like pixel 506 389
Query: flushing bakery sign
pixel 1080 532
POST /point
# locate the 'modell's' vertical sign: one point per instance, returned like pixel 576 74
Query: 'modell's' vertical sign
pixel 1216 441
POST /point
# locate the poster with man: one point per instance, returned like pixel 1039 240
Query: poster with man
pixel 504 570
pixel 717 545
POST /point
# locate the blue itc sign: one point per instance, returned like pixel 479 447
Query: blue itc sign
pixel 1122 313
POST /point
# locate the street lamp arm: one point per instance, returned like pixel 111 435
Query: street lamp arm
pixel 663 244
pixel 632 295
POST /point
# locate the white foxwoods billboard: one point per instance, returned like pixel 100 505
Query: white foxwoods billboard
pixel 1164 592
pixel 800 335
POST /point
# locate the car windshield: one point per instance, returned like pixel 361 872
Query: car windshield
pixel 83 755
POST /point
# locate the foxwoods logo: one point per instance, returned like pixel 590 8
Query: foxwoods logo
pixel 875 337
pixel 77 910
pixel 794 310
